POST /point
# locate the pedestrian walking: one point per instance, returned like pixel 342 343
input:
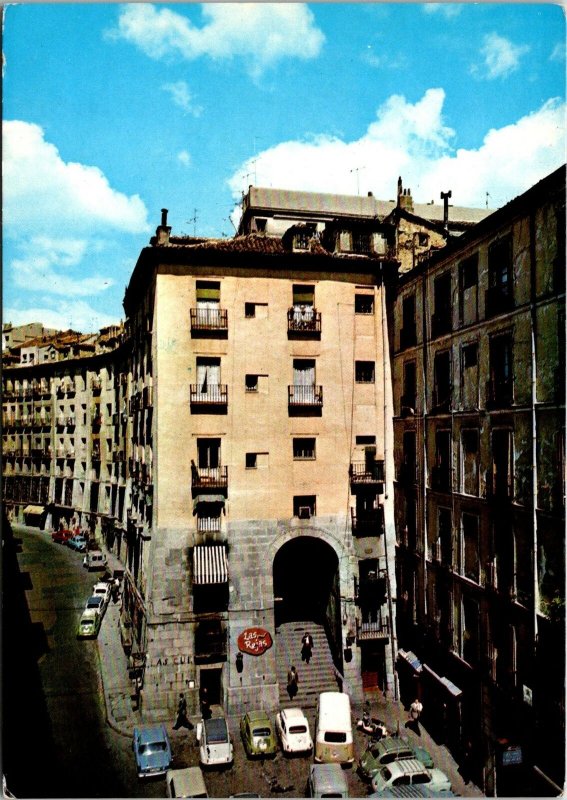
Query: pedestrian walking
pixel 415 710
pixel 292 681
pixel 205 703
pixel 182 721
pixel 306 647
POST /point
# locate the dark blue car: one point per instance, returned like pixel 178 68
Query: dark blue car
pixel 152 750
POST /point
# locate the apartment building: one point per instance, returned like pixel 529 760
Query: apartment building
pixel 478 343
pixel 269 458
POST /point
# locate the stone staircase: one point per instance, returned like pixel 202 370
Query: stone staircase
pixel 315 677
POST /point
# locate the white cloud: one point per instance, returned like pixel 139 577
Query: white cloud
pixel 47 265
pixel 182 97
pixel 412 140
pixel 501 57
pixel 447 10
pixel 76 314
pixel 43 193
pixel 260 33
pixel 184 157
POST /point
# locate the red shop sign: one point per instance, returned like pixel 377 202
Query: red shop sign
pixel 254 641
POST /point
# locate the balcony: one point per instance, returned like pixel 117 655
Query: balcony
pixel 369 523
pixel 441 324
pixel 367 474
pixel 499 393
pixel 304 324
pixel 441 479
pixel 209 477
pixel 375 630
pixel 498 300
pixel 209 322
pixel 305 398
pixel 209 524
pixel 96 385
pixel 408 337
pixel 214 395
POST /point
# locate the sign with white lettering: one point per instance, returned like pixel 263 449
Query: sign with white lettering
pixel 254 641
pixel 512 756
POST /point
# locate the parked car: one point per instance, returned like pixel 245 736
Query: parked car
pixel 187 782
pixel 292 728
pixel 258 734
pixel 152 750
pixel 327 780
pixel 413 791
pixel 96 602
pixel 89 624
pixel 61 536
pixel 78 543
pixel 407 772
pixel 388 749
pixel 215 745
pixel 103 590
pixel 94 559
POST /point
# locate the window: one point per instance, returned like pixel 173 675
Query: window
pixel 500 385
pixel 468 290
pixel 441 320
pixel 251 383
pixel 469 462
pixel 364 371
pixel 301 239
pixel 442 381
pixel 408 329
pixel 363 304
pixel 408 469
pixel 304 506
pixel 261 224
pixel 208 453
pixel 470 630
pixel 470 547
pixel 445 535
pixel 208 374
pixel 469 375
pixel 499 297
pixel 422 239
pixel 441 472
pixel 304 449
pixel 501 481
pixel 409 395
pixel 251 460
pixel 249 310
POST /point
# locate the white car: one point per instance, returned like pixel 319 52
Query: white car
pixel 215 745
pixel 102 590
pixel 293 731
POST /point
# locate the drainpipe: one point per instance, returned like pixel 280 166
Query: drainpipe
pixel 388 463
pixel 533 334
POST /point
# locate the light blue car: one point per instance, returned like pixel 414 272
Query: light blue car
pixel 152 750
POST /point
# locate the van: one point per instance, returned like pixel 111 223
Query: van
pixel 326 780
pixel 94 559
pixel 333 741
pixel 188 782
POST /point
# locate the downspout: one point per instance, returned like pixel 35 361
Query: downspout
pixel 425 397
pixel 388 472
pixel 533 334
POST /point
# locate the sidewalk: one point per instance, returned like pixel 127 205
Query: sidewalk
pixel 123 718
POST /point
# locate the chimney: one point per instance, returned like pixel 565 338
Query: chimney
pixel 445 196
pixel 405 199
pixel 162 231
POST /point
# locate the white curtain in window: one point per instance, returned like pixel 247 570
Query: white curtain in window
pixel 207 375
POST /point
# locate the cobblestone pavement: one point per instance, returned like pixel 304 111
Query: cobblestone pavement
pixel 246 775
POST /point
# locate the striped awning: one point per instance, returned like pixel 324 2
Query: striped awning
pixel 210 564
pixel 34 509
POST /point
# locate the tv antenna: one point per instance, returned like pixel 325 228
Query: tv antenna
pixel 357 170
pixel 193 219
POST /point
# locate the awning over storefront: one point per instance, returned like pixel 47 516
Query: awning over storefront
pixel 411 659
pixel 210 564
pixel 34 509
pixel 444 682
pixel 217 499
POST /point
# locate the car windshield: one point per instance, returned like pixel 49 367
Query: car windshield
pixel 86 623
pixel 386 774
pixel 216 730
pixel 298 729
pixel 152 747
pixel 261 732
pixel 335 736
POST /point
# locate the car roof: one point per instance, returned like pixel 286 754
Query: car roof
pixel 293 714
pixel 150 733
pixel 189 781
pixel 100 585
pixel 89 613
pixel 216 726
pixel 407 766
pixel 257 716
pixel 415 790
pixel 95 553
pixel 328 776
pixel 392 744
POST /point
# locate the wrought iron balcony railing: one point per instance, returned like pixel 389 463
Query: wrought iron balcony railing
pixel 213 394
pixel 306 322
pixel 305 396
pixel 209 477
pixel 209 319
pixel 367 473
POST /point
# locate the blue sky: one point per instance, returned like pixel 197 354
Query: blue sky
pixel 113 111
